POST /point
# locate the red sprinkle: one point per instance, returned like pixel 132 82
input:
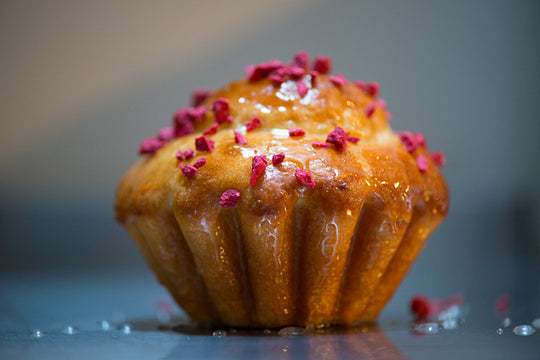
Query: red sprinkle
pixel 370 109
pixel 305 178
pixel 296 132
pixel 278 158
pixel 204 144
pixel 166 134
pixel 338 79
pixel 181 166
pixel 221 110
pixel 239 138
pixel 211 130
pixel 253 124
pixel 301 60
pixel 229 198
pixel 200 162
pixel 353 139
pixel 438 158
pixel 338 137
pixel 370 88
pixel 323 65
pixel 422 163
pixel 189 171
pixel 412 140
pixel 302 88
pixel 258 166
pixel 320 144
pixel 198 96
pixel 150 146
pixel 260 71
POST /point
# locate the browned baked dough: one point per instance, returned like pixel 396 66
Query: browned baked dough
pixel 286 254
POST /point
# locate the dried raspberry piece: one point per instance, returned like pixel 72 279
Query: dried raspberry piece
pixel 294 72
pixel 182 126
pixel 314 75
pixel 181 166
pixel 253 124
pixel 305 178
pixel 338 79
pixel 221 110
pixel 370 88
pixel 502 305
pixel 188 154
pixel 166 134
pixel 320 144
pixel 438 158
pixel 278 158
pixel 323 65
pixel 200 162
pixel 276 79
pixel 184 118
pixel 412 140
pixel 424 308
pixel 198 113
pixel 353 139
pixel 239 138
pixel 150 146
pixel 301 60
pixel 229 198
pixel 189 171
pixel 258 166
pixel 421 307
pixel 422 163
pixel 198 96
pixel 338 137
pixel 302 88
pixel 370 109
pixel 261 71
pixel 184 155
pixel 297 132
pixel 211 130
pixel 204 144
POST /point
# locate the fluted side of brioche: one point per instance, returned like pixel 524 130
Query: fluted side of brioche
pixel 285 254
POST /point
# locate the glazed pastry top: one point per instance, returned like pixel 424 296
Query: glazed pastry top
pixel 334 131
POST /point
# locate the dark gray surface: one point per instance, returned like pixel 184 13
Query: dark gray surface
pixel 51 302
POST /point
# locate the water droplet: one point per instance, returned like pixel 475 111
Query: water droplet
pixel 292 331
pixel 126 329
pixel 500 331
pixel 506 322
pixel 37 333
pixel 219 333
pixel 429 328
pixel 524 330
pixel 105 325
pixel 536 323
pixel 70 330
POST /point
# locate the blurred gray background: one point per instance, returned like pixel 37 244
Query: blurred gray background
pixel 82 83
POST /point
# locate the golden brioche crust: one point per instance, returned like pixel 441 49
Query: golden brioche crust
pixel 286 254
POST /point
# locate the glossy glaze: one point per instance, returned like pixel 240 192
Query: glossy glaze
pixel 286 254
